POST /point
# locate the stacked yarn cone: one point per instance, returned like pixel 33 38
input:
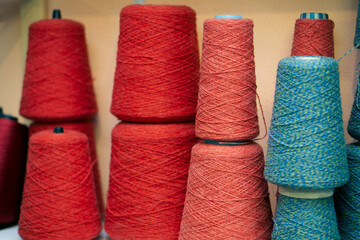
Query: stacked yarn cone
pixel 227 195
pixel 306 154
pixel 58 90
pixel 13 150
pixel 155 91
pixel 347 197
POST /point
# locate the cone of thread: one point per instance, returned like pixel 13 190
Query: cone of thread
pixel 313 37
pixel 86 127
pixel 57 84
pixel 148 174
pixel 227 88
pixel 59 200
pixel 227 195
pixel 157 68
pixel 13 149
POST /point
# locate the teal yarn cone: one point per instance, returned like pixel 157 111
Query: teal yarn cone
pixel 305 219
pixel 347 198
pixel 306 146
pixel 354 121
pixel 357 31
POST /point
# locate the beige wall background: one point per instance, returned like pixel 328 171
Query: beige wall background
pixel 274 22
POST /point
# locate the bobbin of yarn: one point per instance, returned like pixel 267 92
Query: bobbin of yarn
pixel 148 174
pixel 304 219
pixel 156 77
pixel 13 150
pixel 227 195
pixel 87 127
pixel 57 84
pixel 306 146
pixel 59 201
pixel 227 87
pixel 313 35
pixel 347 197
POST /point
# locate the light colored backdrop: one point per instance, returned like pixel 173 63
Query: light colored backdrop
pixel 274 22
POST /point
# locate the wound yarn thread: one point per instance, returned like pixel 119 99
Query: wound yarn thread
pixel 227 88
pixel 306 146
pixel 227 195
pixel 13 149
pixel 353 127
pixel 86 127
pixel 313 37
pixel 157 68
pixel 57 84
pixel 148 174
pixel 303 219
pixel 347 197
pixel 59 200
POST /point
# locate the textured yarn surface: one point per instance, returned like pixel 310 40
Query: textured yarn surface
pixel 357 31
pixel 57 84
pixel 304 219
pixel 148 174
pixel 347 198
pixel 86 127
pixel 227 195
pixel 227 88
pixel 313 37
pixel 157 64
pixel 353 127
pixel 13 150
pixel 59 200
pixel 306 147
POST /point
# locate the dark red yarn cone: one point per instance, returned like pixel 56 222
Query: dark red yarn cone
pixel 57 84
pixel 86 127
pixel 313 37
pixel 13 152
pixel 148 174
pixel 157 65
pixel 59 200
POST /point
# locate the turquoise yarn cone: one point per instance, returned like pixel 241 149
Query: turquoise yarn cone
pixel 305 219
pixel 347 198
pixel 306 146
pixel 357 31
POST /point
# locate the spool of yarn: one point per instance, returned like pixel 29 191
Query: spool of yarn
pixel 59 201
pixel 306 147
pixel 227 195
pixel 304 219
pixel 227 88
pixel 148 174
pixel 313 36
pixel 353 127
pixel 347 198
pixel 157 69
pixel 57 84
pixel 357 30
pixel 13 150
pixel 86 127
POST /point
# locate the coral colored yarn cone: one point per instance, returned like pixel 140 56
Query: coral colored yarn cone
pixel 59 201
pixel 57 84
pixel 86 127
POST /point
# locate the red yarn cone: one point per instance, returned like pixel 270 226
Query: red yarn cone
pixel 148 174
pixel 313 37
pixel 157 68
pixel 59 201
pixel 57 84
pixel 227 195
pixel 86 127
pixel 13 149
